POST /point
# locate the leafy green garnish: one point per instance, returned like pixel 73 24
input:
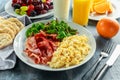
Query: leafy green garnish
pixel 62 29
pixel 34 29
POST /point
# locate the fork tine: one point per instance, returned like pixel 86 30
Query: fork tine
pixel 110 47
pixel 106 46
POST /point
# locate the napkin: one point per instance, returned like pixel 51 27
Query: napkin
pixel 7 58
pixel 7 55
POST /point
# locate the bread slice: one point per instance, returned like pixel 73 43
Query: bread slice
pixel 5 40
pixel 18 23
pixel 1 19
pixel 6 29
pixel 15 26
pixel 9 24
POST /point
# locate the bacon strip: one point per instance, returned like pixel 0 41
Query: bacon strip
pixel 41 47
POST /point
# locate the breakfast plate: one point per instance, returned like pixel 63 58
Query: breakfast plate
pixel 115 14
pixel 19 46
pixel 9 9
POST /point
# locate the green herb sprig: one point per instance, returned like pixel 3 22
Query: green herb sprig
pixel 36 27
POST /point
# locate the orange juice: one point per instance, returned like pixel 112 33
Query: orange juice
pixel 81 10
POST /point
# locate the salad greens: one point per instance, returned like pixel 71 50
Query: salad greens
pixel 34 29
pixel 62 29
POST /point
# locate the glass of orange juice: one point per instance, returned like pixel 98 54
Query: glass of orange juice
pixel 81 10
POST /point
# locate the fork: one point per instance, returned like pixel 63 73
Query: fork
pixel 104 53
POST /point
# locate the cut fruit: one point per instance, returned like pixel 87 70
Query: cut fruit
pixel 110 8
pixel 17 11
pixel 22 13
pixel 96 1
pixel 101 8
pixel 24 8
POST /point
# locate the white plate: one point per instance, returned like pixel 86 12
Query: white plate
pixel 19 46
pixel 115 14
pixel 9 9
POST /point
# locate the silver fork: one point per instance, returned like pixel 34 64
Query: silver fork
pixel 104 53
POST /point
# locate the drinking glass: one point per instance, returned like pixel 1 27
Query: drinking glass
pixel 81 10
pixel 61 9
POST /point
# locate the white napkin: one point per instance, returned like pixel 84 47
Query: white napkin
pixel 7 55
pixel 7 60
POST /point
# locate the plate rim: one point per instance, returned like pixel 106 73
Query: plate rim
pixel 51 69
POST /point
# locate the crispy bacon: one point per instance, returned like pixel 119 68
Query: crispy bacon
pixel 52 37
pixel 41 47
pixel 31 45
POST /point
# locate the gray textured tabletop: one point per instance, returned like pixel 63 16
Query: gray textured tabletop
pixel 25 72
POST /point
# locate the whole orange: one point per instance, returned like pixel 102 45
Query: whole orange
pixel 107 27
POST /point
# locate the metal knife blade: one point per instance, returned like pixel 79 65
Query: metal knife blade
pixel 114 56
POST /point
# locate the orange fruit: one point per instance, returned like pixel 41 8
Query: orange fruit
pixel 96 1
pixel 107 27
pixel 110 8
pixel 101 8
pixel 91 8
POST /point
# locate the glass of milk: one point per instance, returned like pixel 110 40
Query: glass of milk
pixel 61 9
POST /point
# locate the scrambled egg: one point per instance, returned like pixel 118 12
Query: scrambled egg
pixel 72 51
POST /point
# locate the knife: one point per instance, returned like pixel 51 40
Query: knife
pixel 109 63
